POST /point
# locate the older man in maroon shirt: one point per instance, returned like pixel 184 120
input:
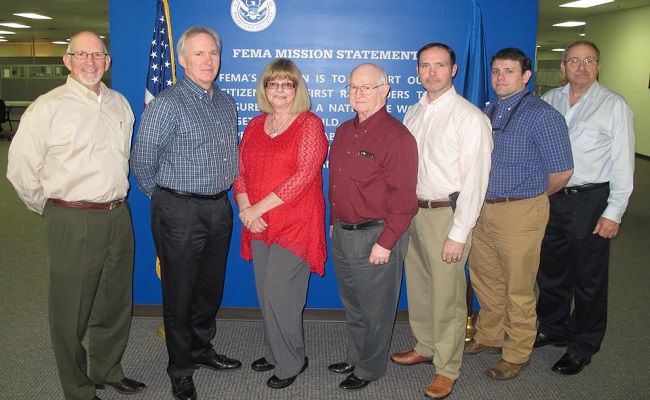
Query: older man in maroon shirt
pixel 373 174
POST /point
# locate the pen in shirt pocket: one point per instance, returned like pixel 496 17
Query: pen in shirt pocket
pixel 120 125
pixel 366 154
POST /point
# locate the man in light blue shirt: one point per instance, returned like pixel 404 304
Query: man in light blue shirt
pixel 586 214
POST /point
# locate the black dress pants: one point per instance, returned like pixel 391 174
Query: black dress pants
pixel 192 238
pixel 574 266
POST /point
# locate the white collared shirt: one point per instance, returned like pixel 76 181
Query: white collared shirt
pixel 601 129
pixel 454 146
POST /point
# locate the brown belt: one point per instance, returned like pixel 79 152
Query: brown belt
pixel 505 200
pixel 433 204
pixel 88 205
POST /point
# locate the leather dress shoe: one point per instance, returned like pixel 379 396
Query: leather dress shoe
pixel 261 365
pixel 277 383
pixel 220 363
pixel 353 382
pixel 440 387
pixel 410 357
pixel 341 368
pixel 570 364
pixel 504 370
pixel 124 386
pixel 542 340
pixel 474 347
pixel 95 398
pixel 183 388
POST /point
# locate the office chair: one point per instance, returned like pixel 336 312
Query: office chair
pixel 4 117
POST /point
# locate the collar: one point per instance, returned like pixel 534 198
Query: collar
pixel 83 91
pixel 512 100
pixel 197 90
pixel 372 120
pixel 440 101
pixel 592 92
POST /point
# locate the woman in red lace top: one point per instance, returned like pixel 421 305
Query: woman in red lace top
pixel 279 191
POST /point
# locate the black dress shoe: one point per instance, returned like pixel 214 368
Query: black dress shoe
pixel 95 398
pixel 353 382
pixel 261 365
pixel 183 388
pixel 220 363
pixel 570 364
pixel 125 386
pixel 341 368
pixel 277 383
pixel 542 340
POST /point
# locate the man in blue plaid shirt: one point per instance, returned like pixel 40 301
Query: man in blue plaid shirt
pixel 531 160
pixel 185 159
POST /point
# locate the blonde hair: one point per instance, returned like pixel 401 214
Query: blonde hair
pixel 287 69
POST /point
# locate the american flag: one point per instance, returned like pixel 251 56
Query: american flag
pixel 162 70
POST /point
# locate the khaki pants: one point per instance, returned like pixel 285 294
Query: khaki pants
pixel 503 267
pixel 436 291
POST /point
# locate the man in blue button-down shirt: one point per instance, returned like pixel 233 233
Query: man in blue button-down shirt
pixel 531 159
pixel 185 159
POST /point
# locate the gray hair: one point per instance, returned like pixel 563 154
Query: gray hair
pixel 581 42
pixel 195 30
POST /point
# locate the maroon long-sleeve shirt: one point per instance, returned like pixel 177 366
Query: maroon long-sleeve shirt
pixel 373 174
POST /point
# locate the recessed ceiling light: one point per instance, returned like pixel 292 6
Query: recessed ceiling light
pixel 585 3
pixel 570 24
pixel 7 33
pixel 32 16
pixel 60 42
pixel 557 50
pixel 14 25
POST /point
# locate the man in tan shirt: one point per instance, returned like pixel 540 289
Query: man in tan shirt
pixel 69 162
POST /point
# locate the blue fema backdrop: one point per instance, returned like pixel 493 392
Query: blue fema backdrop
pixel 326 39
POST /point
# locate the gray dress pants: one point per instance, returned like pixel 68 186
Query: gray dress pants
pixel 281 280
pixel 369 294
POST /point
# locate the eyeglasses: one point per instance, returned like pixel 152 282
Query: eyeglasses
pixel 82 55
pixel 364 89
pixel 275 85
pixel 575 61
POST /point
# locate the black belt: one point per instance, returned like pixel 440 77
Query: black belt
pixel 582 188
pixel 195 195
pixel 433 204
pixel 362 225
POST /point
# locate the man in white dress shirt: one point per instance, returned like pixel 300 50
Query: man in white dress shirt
pixel 586 214
pixel 455 145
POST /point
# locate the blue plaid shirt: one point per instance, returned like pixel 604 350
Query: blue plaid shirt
pixel 535 143
pixel 187 141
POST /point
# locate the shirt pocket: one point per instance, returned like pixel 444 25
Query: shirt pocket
pixel 364 169
pixel 589 136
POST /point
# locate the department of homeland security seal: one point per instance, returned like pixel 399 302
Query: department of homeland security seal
pixel 253 15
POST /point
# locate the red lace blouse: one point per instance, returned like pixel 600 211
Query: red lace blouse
pixel 290 165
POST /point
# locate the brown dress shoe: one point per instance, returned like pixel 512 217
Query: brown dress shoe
pixel 125 386
pixel 503 370
pixel 474 347
pixel 440 387
pixel 410 357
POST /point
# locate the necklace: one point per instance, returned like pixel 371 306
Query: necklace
pixel 274 132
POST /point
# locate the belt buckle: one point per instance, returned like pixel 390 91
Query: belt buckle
pixel 113 205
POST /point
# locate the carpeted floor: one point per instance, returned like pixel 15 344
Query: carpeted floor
pixel 28 371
